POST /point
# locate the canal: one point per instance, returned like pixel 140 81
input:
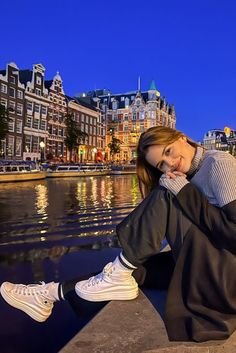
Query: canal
pixel 55 230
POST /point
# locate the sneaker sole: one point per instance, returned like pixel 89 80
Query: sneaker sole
pixel 23 307
pixel 99 297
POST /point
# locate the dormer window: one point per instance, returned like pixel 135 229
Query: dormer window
pixel 114 105
pixel 126 102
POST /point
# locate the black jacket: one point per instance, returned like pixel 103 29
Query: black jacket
pixel 201 301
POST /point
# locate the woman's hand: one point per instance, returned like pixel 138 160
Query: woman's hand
pixel 173 181
pixel 173 175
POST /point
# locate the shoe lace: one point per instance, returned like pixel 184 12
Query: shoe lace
pixel 31 289
pixel 106 272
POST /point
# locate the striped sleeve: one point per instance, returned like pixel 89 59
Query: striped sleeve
pixel 222 178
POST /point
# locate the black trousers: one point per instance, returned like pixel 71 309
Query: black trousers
pixel 141 234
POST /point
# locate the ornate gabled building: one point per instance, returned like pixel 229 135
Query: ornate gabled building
pixel 57 110
pixel 12 93
pixel 129 114
pixel 36 105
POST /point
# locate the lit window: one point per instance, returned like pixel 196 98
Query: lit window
pixel 18 146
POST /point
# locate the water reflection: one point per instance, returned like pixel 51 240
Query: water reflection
pixel 54 230
pixel 41 199
pixel 64 211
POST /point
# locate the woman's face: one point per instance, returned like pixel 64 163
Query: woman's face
pixel 176 156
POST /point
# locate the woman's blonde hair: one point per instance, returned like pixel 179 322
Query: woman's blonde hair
pixel 148 176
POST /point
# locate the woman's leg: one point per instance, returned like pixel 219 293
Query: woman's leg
pixel 141 235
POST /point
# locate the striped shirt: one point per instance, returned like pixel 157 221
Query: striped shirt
pixel 213 173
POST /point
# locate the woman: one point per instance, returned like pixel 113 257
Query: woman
pixel 190 198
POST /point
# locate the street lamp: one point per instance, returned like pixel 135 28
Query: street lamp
pixel 42 145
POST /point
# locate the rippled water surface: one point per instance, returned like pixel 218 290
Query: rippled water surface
pixel 54 230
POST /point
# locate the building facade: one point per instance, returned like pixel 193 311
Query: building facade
pixel 36 104
pixel 127 115
pixel 12 96
pixel 223 140
pixel 37 111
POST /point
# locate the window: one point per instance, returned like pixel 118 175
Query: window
pixel 18 146
pixel 114 105
pixel 19 126
pixel 134 116
pixel 20 94
pixel 3 88
pixel 126 117
pixel 82 117
pixel 3 102
pixel 12 79
pixel 12 92
pixel 27 143
pixel 43 124
pixel 28 122
pixel 38 91
pixel 19 109
pixel 35 143
pixel 126 128
pixel 90 130
pixel 29 106
pixel 91 120
pixel 94 130
pixel 38 80
pixel 126 102
pixel 122 99
pixel 11 125
pixel 10 148
pixel 44 110
pixel 36 108
pixel 12 106
pixel 141 115
pixel 87 119
pixel 36 123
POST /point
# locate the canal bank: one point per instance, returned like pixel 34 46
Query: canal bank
pixel 136 327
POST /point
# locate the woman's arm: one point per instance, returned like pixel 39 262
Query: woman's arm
pixel 219 223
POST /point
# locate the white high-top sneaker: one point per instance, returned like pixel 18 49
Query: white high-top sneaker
pixel 36 300
pixel 115 282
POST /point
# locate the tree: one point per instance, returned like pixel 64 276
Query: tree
pixel 4 118
pixel 114 145
pixel 74 136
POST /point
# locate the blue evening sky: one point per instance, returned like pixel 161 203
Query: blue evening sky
pixel 187 46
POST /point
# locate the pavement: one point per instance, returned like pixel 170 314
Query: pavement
pixel 136 327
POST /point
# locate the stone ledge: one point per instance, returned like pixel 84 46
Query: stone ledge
pixel 136 327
